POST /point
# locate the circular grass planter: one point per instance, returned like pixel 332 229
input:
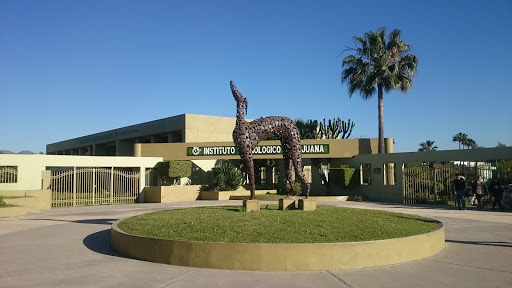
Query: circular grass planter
pixel 271 240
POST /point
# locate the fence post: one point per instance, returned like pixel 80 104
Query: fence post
pixel 111 185
pixel 93 185
pixel 142 183
pixel 74 186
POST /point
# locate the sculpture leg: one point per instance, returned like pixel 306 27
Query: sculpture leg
pixel 288 166
pixel 250 172
pixel 300 173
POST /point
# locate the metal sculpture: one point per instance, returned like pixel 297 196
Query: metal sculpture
pixel 247 135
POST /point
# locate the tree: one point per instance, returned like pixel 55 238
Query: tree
pixel 501 145
pixel 307 129
pixel 470 143
pixel 461 138
pixel 170 172
pixel 427 146
pixel 379 66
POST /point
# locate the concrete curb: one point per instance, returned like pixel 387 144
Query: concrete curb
pixel 278 257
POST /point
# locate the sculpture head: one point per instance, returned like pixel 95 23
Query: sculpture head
pixel 240 100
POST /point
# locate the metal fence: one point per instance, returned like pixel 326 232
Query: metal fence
pixel 94 186
pixel 151 178
pixel 431 183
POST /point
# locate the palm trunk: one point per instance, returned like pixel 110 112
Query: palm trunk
pixel 381 118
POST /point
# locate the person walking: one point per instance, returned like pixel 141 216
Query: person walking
pixel 459 187
pixel 479 189
pixel 497 192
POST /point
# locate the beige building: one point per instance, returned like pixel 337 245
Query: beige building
pixel 205 140
pixel 184 128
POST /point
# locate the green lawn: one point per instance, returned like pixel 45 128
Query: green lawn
pixel 3 204
pixel 230 224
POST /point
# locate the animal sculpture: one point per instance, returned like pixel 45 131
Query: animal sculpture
pixel 247 135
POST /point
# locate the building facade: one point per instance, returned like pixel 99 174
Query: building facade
pixel 182 128
pixel 206 140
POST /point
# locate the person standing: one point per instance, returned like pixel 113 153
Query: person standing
pixel 497 192
pixel 459 186
pixel 479 189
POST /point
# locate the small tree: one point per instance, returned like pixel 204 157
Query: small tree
pixel 170 172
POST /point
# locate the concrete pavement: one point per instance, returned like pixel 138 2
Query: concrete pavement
pixel 69 247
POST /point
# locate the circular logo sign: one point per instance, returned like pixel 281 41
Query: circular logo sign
pixel 196 150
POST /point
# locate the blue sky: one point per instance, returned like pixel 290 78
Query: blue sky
pixel 73 68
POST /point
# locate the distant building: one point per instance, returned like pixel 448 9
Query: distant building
pixel 184 128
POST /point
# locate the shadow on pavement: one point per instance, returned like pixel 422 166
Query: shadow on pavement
pixel 99 242
pixel 84 221
pixel 499 244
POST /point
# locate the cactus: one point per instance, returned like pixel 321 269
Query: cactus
pixel 336 129
pixel 346 127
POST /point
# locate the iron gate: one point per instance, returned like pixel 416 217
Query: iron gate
pixel 431 183
pixel 94 186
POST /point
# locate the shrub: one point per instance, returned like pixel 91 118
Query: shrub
pixel 226 177
pixel 297 188
pixel 179 169
pixel 169 172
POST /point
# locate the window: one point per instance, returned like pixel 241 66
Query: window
pixel 263 175
pixel 8 174
pixel 307 173
pixel 366 174
pixel 389 174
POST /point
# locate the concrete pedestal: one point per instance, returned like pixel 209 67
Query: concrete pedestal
pixel 286 204
pixel 251 205
pixel 307 204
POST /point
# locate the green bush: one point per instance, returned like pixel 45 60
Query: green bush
pixel 297 188
pixel 180 168
pixel 226 177
pixel 349 176
pixel 344 176
pixel 170 171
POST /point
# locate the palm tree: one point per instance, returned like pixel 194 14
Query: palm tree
pixel 307 129
pixel 379 66
pixel 427 146
pixel 470 143
pixel 461 138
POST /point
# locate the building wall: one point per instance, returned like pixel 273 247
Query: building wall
pixel 203 128
pixel 379 191
pixel 338 148
pixel 340 152
pixel 31 167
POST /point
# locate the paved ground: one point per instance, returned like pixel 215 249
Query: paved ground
pixel 69 247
